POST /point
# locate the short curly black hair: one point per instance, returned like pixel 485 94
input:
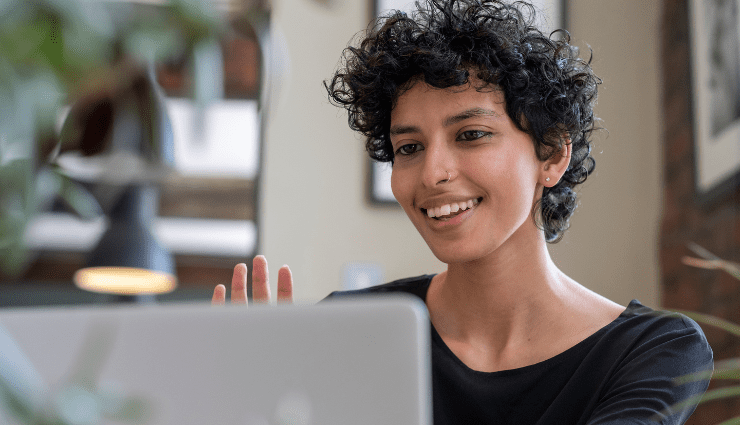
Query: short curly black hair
pixel 549 90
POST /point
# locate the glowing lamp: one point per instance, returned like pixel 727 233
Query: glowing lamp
pixel 124 280
pixel 121 145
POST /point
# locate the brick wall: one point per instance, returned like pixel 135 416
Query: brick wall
pixel 685 219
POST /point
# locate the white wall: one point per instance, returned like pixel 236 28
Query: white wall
pixel 612 246
pixel 314 213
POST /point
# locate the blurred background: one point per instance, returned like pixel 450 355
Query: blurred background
pixel 290 180
pixel 258 161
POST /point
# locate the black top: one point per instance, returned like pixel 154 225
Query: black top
pixel 622 374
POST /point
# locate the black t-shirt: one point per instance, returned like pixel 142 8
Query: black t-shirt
pixel 622 374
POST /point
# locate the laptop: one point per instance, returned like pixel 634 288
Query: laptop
pixel 335 363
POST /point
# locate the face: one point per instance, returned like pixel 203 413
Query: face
pixel 465 175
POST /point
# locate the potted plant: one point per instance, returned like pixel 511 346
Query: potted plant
pixel 65 52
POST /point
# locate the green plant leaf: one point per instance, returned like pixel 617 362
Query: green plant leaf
pixel 733 421
pixel 717 394
pixel 21 387
pixel 77 406
pixel 132 410
pixel 15 210
pixel 13 258
pixel 21 38
pixel 692 377
pixel 82 202
pixel 152 45
pixel 724 369
pixel 52 50
pixel 727 374
pixel 48 184
pixel 712 321
pixel 711 261
pixel 96 349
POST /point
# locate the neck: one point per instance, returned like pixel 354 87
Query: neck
pixel 503 299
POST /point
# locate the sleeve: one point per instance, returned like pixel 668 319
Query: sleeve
pixel 642 389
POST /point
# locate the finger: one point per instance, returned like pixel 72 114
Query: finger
pixel 239 284
pixel 285 285
pixel 260 280
pixel 219 295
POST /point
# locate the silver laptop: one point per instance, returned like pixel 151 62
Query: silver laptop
pixel 341 362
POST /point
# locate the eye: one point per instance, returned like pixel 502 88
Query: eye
pixel 409 149
pixel 472 135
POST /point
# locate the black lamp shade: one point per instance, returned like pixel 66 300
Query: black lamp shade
pixel 129 240
pixel 129 259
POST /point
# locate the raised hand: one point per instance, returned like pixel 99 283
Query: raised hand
pixel 260 284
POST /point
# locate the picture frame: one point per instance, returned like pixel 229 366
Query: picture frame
pixel 715 58
pixel 553 15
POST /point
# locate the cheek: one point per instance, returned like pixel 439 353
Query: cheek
pixel 402 189
pixel 396 185
pixel 508 175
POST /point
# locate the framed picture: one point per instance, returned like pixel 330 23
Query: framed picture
pixel 715 47
pixel 379 183
pixel 551 16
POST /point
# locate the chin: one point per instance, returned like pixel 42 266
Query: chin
pixel 452 254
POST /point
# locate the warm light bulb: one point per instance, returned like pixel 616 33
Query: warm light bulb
pixel 124 280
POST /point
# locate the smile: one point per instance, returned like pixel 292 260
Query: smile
pixel 447 211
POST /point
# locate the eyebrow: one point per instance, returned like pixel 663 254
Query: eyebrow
pixel 467 114
pixel 470 113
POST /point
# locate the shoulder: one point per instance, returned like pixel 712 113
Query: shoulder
pixel 646 324
pixel 417 286
pixel 641 332
pixel 644 354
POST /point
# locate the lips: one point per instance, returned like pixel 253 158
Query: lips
pixel 446 211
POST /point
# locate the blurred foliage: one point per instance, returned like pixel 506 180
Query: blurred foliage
pixel 728 369
pixel 54 52
pixel 27 399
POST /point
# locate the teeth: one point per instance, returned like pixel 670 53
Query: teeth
pixel 451 208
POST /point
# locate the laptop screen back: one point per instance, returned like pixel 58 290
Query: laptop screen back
pixel 342 362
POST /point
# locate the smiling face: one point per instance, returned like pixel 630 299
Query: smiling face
pixel 465 175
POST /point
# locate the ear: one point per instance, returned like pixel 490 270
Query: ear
pixel 554 168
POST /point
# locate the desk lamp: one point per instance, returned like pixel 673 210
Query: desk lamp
pixel 121 146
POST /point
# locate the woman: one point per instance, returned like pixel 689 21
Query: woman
pixel 487 123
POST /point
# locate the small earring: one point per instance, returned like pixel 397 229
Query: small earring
pixel 547 179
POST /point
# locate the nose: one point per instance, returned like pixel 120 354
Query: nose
pixel 438 165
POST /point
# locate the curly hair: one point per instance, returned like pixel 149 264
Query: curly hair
pixel 548 89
